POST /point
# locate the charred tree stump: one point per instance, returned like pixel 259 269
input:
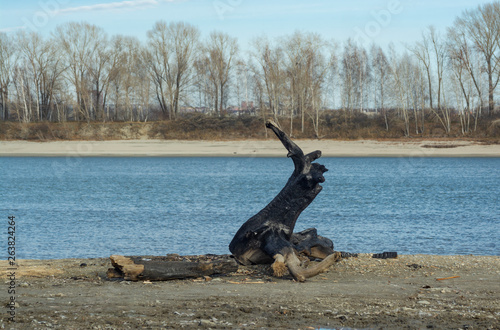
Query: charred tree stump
pixel 267 236
pixel 162 268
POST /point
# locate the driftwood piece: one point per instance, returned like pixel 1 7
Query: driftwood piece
pixel 312 245
pixel 162 268
pixel 267 236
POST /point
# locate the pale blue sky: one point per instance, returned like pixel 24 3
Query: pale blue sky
pixel 398 20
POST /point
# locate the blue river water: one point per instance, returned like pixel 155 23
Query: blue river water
pixel 94 207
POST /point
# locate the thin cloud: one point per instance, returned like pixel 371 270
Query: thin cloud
pixel 109 6
pixel 12 29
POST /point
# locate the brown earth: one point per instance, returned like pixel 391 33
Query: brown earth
pixel 363 292
pixel 333 125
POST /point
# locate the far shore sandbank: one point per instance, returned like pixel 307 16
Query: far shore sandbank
pixel 247 148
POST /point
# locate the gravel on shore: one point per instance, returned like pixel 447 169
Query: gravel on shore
pixel 410 292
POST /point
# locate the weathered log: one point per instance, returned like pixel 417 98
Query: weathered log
pixel 312 245
pixel 162 269
pixel 267 236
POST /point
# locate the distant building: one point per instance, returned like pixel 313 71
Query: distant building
pixel 202 109
pixel 187 109
pixel 247 108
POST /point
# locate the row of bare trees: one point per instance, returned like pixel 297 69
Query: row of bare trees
pixel 290 76
pixel 80 73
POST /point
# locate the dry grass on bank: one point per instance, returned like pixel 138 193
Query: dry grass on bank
pixel 201 127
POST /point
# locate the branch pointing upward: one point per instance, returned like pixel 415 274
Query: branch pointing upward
pixel 302 162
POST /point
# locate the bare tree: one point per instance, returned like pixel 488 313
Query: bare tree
pixel 422 51
pixel 80 42
pixel 381 71
pixel 462 91
pixel 271 71
pixel 242 82
pixel 203 85
pixel 348 76
pixel 142 85
pixel 173 50
pixel 7 51
pixel 482 27
pixel 43 67
pixel 129 80
pixel 31 50
pixel 220 51
pixel 333 65
pixel 152 58
pixel 293 47
pixel 439 48
pixel 303 58
pixel 258 90
pixel 100 68
pixel 354 74
pixel 23 106
pixel 317 70
pixel 465 71
pixel 400 69
pixel 433 49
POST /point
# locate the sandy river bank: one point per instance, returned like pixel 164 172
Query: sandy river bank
pixel 249 148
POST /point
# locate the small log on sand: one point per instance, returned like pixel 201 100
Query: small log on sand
pixel 163 268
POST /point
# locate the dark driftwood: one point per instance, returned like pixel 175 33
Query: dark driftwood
pixel 312 245
pixel 162 269
pixel 267 236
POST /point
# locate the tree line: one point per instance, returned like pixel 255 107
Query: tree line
pixel 79 73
